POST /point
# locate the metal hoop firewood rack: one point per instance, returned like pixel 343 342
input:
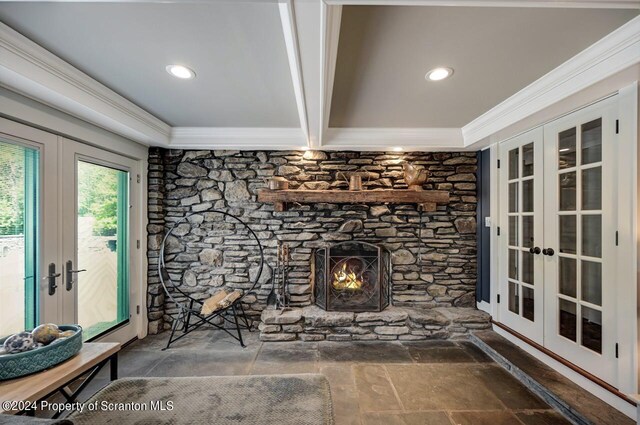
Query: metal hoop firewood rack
pixel 189 316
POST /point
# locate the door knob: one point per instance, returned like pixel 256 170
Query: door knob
pixel 69 274
pixel 534 250
pixel 548 251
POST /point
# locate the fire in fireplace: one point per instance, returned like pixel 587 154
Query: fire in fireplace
pixel 351 276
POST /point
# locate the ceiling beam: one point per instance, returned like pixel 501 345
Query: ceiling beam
pixel 384 139
pixel 331 19
pixel 242 138
pixel 287 18
pixel 33 71
pixel 308 26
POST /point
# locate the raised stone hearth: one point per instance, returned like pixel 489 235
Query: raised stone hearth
pixel 395 323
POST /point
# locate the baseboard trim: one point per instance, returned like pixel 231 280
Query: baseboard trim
pixel 610 388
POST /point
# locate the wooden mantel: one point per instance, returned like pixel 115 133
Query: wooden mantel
pixel 427 199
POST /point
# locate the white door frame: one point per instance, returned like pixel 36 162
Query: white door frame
pixel 628 264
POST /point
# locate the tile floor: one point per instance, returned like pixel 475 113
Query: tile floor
pixel 373 383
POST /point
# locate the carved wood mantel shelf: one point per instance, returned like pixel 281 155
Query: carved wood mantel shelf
pixel 427 199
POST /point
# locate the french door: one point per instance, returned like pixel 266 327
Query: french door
pixel 68 225
pixel 28 238
pixel 580 238
pixel 558 192
pixel 522 271
pixel 96 245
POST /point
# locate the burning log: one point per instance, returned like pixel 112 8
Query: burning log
pixel 346 279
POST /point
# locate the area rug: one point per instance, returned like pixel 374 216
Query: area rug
pixel 303 399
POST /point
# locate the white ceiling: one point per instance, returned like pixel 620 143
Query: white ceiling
pixel 281 74
pixel 385 52
pixel 236 48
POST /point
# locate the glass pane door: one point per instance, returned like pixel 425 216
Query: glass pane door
pixel 19 205
pixel 580 239
pixel 97 252
pixel 521 280
pixel 580 229
pixel 102 274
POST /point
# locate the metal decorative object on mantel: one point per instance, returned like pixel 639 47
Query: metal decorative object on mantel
pixel 354 180
pixel 414 176
pixel 277 183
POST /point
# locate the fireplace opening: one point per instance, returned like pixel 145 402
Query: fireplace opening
pixel 351 276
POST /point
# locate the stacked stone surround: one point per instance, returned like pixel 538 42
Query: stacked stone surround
pixel 394 323
pixel 186 182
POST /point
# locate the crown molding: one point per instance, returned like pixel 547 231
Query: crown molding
pixel 611 54
pixel 255 138
pixel 33 71
pixel 409 139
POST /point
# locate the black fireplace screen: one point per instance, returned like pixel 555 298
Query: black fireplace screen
pixel 351 276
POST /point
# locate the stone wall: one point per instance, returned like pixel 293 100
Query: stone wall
pixel 205 258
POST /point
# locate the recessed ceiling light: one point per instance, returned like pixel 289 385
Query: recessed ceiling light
pixel 438 74
pixel 564 150
pixel 181 71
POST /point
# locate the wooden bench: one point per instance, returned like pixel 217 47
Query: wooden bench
pixel 21 395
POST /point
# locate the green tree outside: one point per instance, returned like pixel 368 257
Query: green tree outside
pixel 12 170
pixel 97 193
pixel 98 197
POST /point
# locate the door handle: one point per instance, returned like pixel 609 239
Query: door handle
pixel 548 251
pixel 69 274
pixel 534 250
pixel 52 276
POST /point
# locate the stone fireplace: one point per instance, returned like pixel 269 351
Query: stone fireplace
pixel 430 273
pixel 351 276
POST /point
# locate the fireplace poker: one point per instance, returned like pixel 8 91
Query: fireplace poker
pixel 419 234
pixel 272 298
pixel 285 268
pixel 276 277
pixel 280 273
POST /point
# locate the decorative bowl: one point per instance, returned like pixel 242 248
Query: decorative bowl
pixel 28 362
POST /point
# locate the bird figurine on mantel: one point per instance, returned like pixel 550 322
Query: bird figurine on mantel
pixel 414 176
